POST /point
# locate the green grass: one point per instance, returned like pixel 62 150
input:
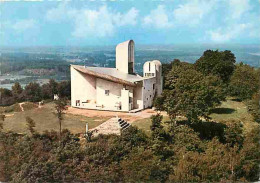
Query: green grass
pixel 234 110
pixel 11 108
pixel 45 119
pixel 228 111
pixel 29 106
pixel 144 124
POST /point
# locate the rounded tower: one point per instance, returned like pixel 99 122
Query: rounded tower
pixel 125 57
pixel 154 69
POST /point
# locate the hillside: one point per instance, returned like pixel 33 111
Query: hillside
pixel 229 110
pixel 45 119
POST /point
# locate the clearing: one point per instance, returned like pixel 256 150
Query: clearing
pixel 45 119
pixel 229 110
pixel 75 119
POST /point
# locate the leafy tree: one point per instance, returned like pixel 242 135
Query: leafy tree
pixel 49 89
pixel 254 106
pixel 127 158
pixel 185 139
pixel 33 92
pixel 160 139
pixel 156 127
pixel 30 125
pixel 244 82
pixel 64 89
pixel 17 90
pixel 218 63
pixel 60 107
pixel 6 97
pixel 158 103
pixel 2 118
pixel 233 134
pixel 190 93
pixel 250 157
pixel 142 166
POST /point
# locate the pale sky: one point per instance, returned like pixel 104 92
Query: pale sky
pixel 103 22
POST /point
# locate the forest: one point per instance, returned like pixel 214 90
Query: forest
pixel 193 148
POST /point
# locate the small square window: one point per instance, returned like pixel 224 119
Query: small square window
pixel 107 92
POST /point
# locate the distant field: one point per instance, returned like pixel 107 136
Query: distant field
pixel 227 111
pixel 45 119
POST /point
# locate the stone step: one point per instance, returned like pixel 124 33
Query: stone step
pixel 128 125
pixel 125 125
pixel 122 124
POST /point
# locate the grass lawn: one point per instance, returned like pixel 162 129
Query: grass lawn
pixel 45 119
pixel 227 111
pixel 145 124
pixel 234 110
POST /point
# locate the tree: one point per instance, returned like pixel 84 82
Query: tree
pixel 218 63
pixel 17 90
pixel 234 134
pixel 30 125
pixel 49 89
pixel 33 92
pixel 64 89
pixel 2 119
pixel 6 97
pixel 244 82
pixel 190 93
pixel 156 127
pixel 254 106
pixel 60 107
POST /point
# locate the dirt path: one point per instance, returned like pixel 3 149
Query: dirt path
pixel 130 117
pixel 21 106
pixel 40 105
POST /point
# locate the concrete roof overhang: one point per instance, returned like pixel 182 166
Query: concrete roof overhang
pixel 97 72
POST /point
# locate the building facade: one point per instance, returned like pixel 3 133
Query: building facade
pixel 116 89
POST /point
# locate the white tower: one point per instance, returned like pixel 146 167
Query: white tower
pixel 125 57
pixel 154 69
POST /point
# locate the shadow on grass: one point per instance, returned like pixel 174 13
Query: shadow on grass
pixel 236 99
pixel 222 110
pixel 207 130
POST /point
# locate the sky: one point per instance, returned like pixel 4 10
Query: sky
pixel 108 22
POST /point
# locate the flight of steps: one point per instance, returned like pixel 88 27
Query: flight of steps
pixel 112 126
pixel 123 124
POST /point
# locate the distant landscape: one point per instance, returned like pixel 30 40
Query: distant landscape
pixel 40 64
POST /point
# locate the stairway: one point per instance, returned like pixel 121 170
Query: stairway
pixel 112 126
pixel 123 124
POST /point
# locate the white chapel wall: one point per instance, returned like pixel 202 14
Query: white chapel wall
pixel 148 91
pixel 83 87
pixel 114 96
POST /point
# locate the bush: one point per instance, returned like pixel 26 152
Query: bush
pixel 244 82
pixel 29 106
